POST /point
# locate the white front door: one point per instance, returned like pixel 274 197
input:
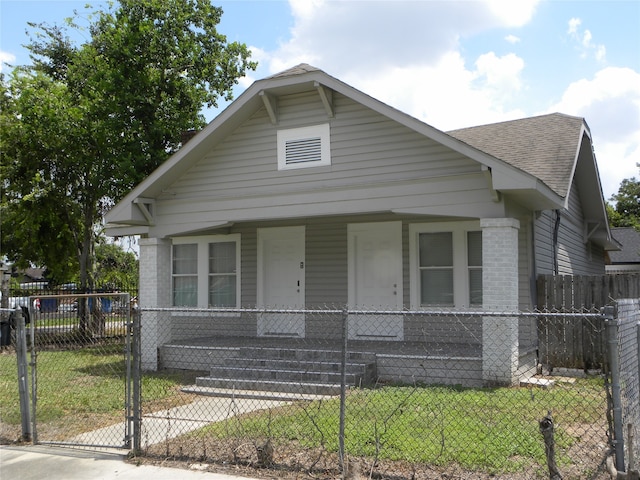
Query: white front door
pixel 375 279
pixel 281 280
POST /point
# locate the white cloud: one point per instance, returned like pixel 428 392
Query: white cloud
pixel 584 41
pixel 501 74
pixel 574 23
pixel 610 102
pixel 370 36
pixel 446 95
pixel 512 39
pixel 513 13
pixel 6 57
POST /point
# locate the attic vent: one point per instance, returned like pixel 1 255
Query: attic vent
pixel 304 147
pixel 304 150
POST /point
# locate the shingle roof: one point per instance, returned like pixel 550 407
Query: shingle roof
pixel 545 146
pixel 629 237
pixel 297 70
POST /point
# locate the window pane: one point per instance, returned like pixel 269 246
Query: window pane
pixel 222 257
pixel 222 291
pixel 436 287
pixel 475 286
pixel 474 249
pixel 185 291
pixel 436 249
pixel 185 259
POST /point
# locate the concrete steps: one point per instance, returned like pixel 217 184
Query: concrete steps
pixel 288 370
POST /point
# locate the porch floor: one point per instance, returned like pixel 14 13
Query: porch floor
pixel 396 348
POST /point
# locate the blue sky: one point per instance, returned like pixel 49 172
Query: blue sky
pixel 449 63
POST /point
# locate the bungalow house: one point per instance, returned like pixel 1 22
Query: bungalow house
pixel 306 192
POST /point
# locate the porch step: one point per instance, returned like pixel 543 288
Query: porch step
pixel 291 375
pixel 290 370
pixel 269 386
pixel 364 370
pixel 250 394
pixel 304 354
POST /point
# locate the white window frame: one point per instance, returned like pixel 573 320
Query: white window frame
pixel 322 131
pixel 460 263
pixel 203 264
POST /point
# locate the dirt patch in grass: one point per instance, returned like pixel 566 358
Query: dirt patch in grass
pixel 293 461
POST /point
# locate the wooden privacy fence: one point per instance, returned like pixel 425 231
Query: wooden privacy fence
pixel 579 292
pixel 572 341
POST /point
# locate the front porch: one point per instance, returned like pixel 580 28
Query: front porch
pixel 314 366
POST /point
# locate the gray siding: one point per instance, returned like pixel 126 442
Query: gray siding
pixel 525 264
pixel 575 257
pixel 377 164
pixel 326 260
pixel 543 242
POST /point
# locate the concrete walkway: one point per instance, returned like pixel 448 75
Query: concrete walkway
pixel 35 462
pixel 166 424
pixel 57 463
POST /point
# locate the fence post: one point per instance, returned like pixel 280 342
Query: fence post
pixel 23 373
pixel 547 431
pixel 34 377
pixel 136 373
pixel 611 325
pixel 343 390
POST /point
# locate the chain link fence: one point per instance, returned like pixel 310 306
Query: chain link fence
pixel 335 393
pixel 380 394
pixel 623 324
pixel 79 360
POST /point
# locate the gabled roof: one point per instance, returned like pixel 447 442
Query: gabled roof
pixel 531 160
pixel 546 146
pixel 555 148
pixel 629 237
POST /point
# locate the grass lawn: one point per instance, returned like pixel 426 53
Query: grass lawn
pixel 491 430
pixel 79 390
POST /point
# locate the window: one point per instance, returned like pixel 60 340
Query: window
pixel 185 275
pixel 474 262
pixel 222 274
pixel 436 268
pixel 304 147
pixel 206 271
pixel 446 264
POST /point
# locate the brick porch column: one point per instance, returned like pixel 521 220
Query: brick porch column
pixel 499 294
pixel 155 291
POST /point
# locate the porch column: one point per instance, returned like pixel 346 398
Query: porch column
pixel 499 294
pixel 155 291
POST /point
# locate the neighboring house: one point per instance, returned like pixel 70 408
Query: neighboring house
pixel 30 277
pixel 308 192
pixel 626 260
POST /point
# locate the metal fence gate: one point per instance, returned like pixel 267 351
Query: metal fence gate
pixel 79 368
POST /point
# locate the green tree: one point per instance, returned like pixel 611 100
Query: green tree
pixel 87 122
pixel 37 142
pixel 115 268
pixel 626 210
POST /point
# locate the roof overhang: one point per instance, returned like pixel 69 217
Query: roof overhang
pixel 586 179
pixel 506 179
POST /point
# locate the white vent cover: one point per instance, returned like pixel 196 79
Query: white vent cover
pixel 304 147
pixel 303 150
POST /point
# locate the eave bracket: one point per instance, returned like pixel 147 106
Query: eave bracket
pixel 326 95
pixel 146 207
pixel 271 105
pixel 495 195
pixel 590 228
